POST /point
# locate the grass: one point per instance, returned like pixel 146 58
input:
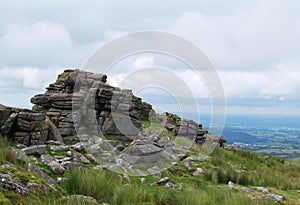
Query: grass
pixel 167 134
pixel 248 168
pixel 152 125
pixel 7 154
pixel 62 76
pixel 40 126
pixel 106 187
pixel 3 121
pixel 241 167
pixel 146 123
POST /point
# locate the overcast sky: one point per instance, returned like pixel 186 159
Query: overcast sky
pixel 253 44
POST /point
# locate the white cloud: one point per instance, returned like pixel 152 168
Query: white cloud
pixel 28 77
pixel 42 44
pixel 19 84
pixel 251 38
pixel 143 62
pixel 254 44
pixel 271 84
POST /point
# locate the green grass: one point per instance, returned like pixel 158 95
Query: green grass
pixel 146 123
pixel 248 168
pixel 106 187
pixel 152 125
pixel 3 121
pixel 62 76
pixel 40 126
pixel 242 167
pixel 7 154
pixel 167 134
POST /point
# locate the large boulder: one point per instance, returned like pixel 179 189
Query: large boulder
pixel 8 126
pixel 54 133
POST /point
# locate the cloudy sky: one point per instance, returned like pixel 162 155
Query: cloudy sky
pixel 253 44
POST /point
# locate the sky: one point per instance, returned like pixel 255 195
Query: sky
pixel 253 44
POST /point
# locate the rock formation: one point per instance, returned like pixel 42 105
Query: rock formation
pixel 92 104
pixel 79 107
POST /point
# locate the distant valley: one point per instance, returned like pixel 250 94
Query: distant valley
pixel 272 134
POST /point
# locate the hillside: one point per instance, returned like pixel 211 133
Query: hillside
pixel 92 143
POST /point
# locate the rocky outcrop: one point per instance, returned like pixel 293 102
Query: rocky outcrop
pixel 26 127
pixel 84 101
pixel 97 106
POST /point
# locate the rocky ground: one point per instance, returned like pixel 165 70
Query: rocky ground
pixel 83 123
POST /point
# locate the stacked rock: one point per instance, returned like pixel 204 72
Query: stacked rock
pixel 84 100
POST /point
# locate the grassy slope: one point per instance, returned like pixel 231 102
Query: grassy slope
pixel 242 167
pixel 210 188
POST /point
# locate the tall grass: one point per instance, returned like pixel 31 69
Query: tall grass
pixel 106 187
pixel 7 154
pixel 248 168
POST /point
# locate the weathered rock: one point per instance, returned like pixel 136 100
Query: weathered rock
pixel 198 171
pixel 39 137
pixel 170 185
pixel 166 142
pixel 36 149
pixel 61 179
pixel 247 190
pixel 187 162
pixel 32 116
pixel 91 158
pixel 276 197
pixel 161 181
pixel 169 126
pixel 142 148
pixel 44 190
pixel 42 173
pixel 81 197
pixel 40 99
pixel 155 172
pixel 231 185
pixel 8 126
pixel 78 147
pixel 6 165
pixel 24 125
pixel 22 138
pixel 71 165
pixel 59 148
pixel 142 152
pixel 262 189
pixel 7 182
pixel 80 159
pixel 143 180
pixel 99 167
pixel 54 166
pixel 123 128
pixel 54 133
pixel 69 153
